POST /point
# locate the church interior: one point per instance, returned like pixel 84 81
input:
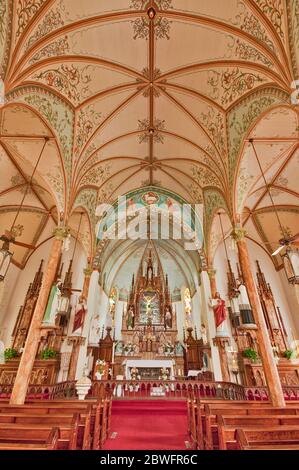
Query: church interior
pixel 149 225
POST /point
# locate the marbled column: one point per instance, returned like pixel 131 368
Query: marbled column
pixel 87 275
pixel 269 365
pixel 76 342
pixel 212 277
pixel 21 383
pixel 221 342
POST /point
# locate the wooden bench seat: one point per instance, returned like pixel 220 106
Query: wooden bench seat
pixel 94 418
pixel 227 426
pixel 39 434
pixel 208 417
pixel 50 444
pixel 270 438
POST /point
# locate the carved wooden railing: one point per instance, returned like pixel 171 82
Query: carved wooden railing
pixel 262 394
pixel 160 389
pixel 49 392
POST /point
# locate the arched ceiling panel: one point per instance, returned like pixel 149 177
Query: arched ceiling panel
pixel 130 100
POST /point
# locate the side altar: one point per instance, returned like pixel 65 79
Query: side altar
pixel 149 328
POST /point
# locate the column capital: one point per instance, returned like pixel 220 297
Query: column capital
pixel 88 271
pixel 76 340
pixel 238 234
pixel 211 273
pixel 61 232
pixel 222 341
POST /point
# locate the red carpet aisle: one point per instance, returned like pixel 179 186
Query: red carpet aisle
pixel 148 425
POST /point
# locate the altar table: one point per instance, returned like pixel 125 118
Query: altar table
pixel 148 364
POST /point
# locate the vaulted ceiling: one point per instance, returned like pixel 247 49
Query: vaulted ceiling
pixel 133 93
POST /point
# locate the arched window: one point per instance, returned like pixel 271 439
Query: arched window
pixel 188 308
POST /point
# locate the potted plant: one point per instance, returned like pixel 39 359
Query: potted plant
pixel 250 354
pixel 48 353
pixel 288 354
pixel 10 353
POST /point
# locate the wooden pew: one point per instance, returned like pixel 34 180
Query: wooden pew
pixel 50 444
pixel 12 433
pixel 209 420
pixel 273 438
pixel 207 417
pixel 227 426
pixel 53 415
pixel 95 417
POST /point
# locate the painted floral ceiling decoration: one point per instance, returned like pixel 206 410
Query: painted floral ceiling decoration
pixel 158 92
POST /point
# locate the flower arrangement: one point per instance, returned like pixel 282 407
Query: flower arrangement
pixel 164 374
pixel 48 354
pixel 134 373
pixel 250 354
pixel 10 353
pixel 100 366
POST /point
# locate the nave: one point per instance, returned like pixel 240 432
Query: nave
pixel 189 424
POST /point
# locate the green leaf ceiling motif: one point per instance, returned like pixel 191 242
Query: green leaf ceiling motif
pixel 242 117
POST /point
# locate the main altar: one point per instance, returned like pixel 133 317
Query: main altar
pixel 149 341
pixel 148 369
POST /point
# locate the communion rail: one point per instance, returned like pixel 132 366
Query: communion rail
pixel 261 393
pixel 47 392
pixel 145 389
pixel 172 389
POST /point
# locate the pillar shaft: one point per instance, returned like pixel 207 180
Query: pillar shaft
pixel 77 342
pixel 212 278
pixel 21 383
pixel 221 342
pixel 269 365
pixel 85 290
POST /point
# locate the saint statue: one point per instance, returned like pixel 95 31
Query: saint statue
pixel 168 319
pixel 80 315
pixel 204 336
pixel 94 330
pixel 220 312
pixel 53 303
pixel 130 318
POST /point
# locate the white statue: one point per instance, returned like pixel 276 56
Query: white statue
pixel 204 336
pixel 94 331
pixel 53 303
pixel 168 319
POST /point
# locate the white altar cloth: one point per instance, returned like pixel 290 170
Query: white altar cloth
pixel 150 364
